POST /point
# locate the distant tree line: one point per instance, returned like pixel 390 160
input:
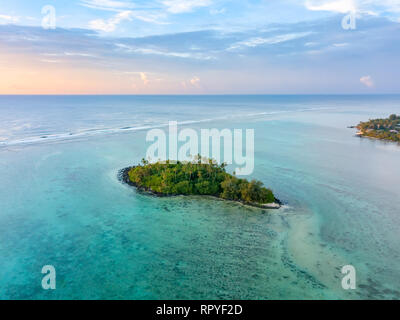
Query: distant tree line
pixel 385 129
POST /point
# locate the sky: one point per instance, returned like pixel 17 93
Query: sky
pixel 199 47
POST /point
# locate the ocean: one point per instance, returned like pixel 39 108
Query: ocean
pixel 61 202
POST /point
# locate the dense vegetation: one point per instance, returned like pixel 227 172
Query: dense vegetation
pixel 386 129
pixel 197 178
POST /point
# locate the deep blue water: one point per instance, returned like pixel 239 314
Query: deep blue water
pixel 62 204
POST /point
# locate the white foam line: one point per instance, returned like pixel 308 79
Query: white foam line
pixel 94 132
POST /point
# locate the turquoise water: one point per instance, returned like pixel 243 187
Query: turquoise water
pixel 62 204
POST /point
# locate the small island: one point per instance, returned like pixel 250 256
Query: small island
pixel 206 178
pixel 383 129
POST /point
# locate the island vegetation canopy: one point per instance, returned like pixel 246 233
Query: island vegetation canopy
pixel 198 178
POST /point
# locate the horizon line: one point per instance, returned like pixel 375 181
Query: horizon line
pixel 211 94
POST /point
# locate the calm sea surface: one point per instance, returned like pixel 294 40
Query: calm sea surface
pixel 61 203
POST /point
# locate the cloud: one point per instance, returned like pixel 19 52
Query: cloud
pixel 149 17
pixel 182 6
pixel 8 19
pixel 111 24
pixel 341 6
pixel 144 78
pixel 80 54
pixel 367 81
pixel 339 45
pixel 217 11
pixel 158 52
pixel 195 81
pixel 388 8
pixel 50 61
pixel 258 41
pixel 108 5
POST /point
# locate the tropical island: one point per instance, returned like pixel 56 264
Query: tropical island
pixel 383 129
pixel 206 178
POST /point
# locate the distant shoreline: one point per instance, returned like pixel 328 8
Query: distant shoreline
pixel 362 136
pixel 380 129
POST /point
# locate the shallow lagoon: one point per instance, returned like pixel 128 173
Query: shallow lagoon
pixel 62 204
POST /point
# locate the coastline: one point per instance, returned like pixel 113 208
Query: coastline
pixel 361 135
pixel 123 176
pixel 381 129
